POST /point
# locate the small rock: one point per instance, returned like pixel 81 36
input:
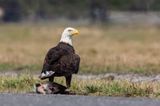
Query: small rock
pixel 109 78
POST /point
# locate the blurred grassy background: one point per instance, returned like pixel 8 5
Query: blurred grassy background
pixel 121 49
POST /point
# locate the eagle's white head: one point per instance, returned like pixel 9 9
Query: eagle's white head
pixel 67 35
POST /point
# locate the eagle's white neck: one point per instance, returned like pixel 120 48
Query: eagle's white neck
pixel 66 38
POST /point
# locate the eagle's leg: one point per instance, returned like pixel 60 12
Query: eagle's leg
pixel 68 80
pixel 51 79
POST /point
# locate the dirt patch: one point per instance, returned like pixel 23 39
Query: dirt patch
pixel 107 76
pixel 128 77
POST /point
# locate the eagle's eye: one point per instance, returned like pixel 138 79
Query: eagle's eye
pixel 69 30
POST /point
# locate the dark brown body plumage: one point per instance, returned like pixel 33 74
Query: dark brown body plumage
pixel 63 61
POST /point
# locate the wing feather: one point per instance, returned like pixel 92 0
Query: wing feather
pixel 53 55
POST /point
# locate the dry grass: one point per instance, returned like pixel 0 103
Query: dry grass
pixel 102 49
pixel 116 88
pixel 25 83
pixel 19 84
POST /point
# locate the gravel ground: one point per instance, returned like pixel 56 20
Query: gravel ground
pixel 114 76
pixel 72 100
pixel 129 77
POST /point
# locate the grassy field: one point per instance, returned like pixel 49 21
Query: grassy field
pixel 25 83
pixel 121 49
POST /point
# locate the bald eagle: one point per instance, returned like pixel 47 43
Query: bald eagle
pixel 62 60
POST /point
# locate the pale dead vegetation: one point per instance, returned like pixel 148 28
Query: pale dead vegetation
pixel 102 49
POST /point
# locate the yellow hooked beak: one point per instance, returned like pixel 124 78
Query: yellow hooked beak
pixel 75 32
